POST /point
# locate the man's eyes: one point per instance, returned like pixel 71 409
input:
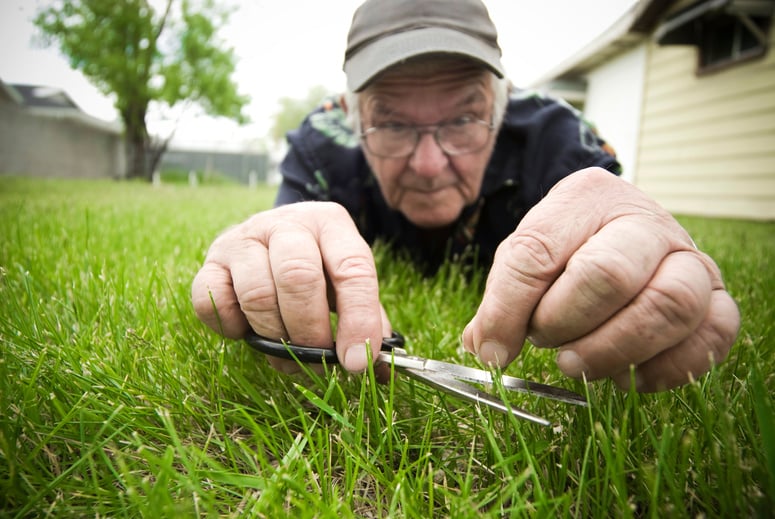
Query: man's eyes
pixel 394 126
pixel 461 121
pixel 400 127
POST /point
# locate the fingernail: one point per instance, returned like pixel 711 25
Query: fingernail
pixel 571 365
pixel 355 359
pixel 493 353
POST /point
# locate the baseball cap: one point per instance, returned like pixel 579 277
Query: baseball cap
pixel 387 32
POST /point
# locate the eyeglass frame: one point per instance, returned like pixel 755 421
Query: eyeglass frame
pixel 422 129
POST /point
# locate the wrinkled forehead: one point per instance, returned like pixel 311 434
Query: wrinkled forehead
pixel 442 80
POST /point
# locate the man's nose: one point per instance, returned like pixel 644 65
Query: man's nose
pixel 428 159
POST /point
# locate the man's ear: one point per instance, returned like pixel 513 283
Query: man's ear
pixel 343 103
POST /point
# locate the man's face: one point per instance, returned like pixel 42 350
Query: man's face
pixel 429 186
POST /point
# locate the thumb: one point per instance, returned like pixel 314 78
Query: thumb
pixel 522 271
pixel 387 328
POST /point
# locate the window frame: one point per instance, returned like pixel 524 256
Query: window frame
pixel 736 55
pixel 731 23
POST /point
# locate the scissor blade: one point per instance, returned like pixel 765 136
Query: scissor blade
pixel 465 391
pixel 481 376
pixel 543 390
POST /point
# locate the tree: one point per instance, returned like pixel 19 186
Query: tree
pixel 292 112
pixel 141 55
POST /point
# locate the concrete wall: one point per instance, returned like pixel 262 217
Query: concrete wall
pixel 63 143
pixel 237 166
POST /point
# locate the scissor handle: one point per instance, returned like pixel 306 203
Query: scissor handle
pixel 310 354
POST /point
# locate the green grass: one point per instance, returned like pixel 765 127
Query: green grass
pixel 115 401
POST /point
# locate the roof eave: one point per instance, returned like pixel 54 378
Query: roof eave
pixel 11 93
pixel 79 117
pixel 627 32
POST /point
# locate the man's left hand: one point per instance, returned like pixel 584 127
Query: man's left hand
pixel 602 272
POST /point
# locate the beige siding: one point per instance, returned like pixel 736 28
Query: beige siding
pixel 707 144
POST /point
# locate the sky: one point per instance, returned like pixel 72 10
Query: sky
pixel 286 47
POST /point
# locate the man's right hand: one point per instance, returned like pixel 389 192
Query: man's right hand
pixel 282 271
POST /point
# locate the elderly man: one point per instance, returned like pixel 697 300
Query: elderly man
pixel 432 151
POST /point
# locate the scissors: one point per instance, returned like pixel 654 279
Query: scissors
pixel 451 378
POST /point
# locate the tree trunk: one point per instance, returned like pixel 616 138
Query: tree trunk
pixel 136 163
pixel 155 149
pixel 136 142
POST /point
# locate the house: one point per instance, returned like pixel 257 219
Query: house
pixel 44 133
pixel 685 92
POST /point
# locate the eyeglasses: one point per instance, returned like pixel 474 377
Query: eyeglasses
pixel 457 137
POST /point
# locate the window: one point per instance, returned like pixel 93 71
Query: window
pixel 725 32
pixel 726 40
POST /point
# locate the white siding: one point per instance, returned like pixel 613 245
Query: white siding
pixel 614 101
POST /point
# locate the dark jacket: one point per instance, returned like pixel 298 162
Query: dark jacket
pixel 541 141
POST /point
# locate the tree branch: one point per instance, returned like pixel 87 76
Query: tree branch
pixel 163 21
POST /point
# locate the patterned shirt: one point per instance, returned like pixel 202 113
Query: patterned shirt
pixel 541 141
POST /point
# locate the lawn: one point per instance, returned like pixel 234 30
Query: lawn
pixel 115 401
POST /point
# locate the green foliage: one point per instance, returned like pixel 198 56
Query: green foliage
pixel 138 56
pixel 200 69
pixel 292 112
pixel 115 401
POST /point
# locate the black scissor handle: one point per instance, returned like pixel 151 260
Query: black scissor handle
pixel 310 354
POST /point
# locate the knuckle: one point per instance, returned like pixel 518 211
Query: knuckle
pixel 679 294
pixel 298 276
pixel 604 275
pixel 334 208
pixel 229 240
pixel 592 177
pixel 677 305
pixel 320 211
pixel 697 350
pixel 528 257
pixel 684 301
pixel 590 180
pixel 261 297
pixel 356 268
pixel 259 305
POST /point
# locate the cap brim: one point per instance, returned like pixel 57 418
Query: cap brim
pixel 382 54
